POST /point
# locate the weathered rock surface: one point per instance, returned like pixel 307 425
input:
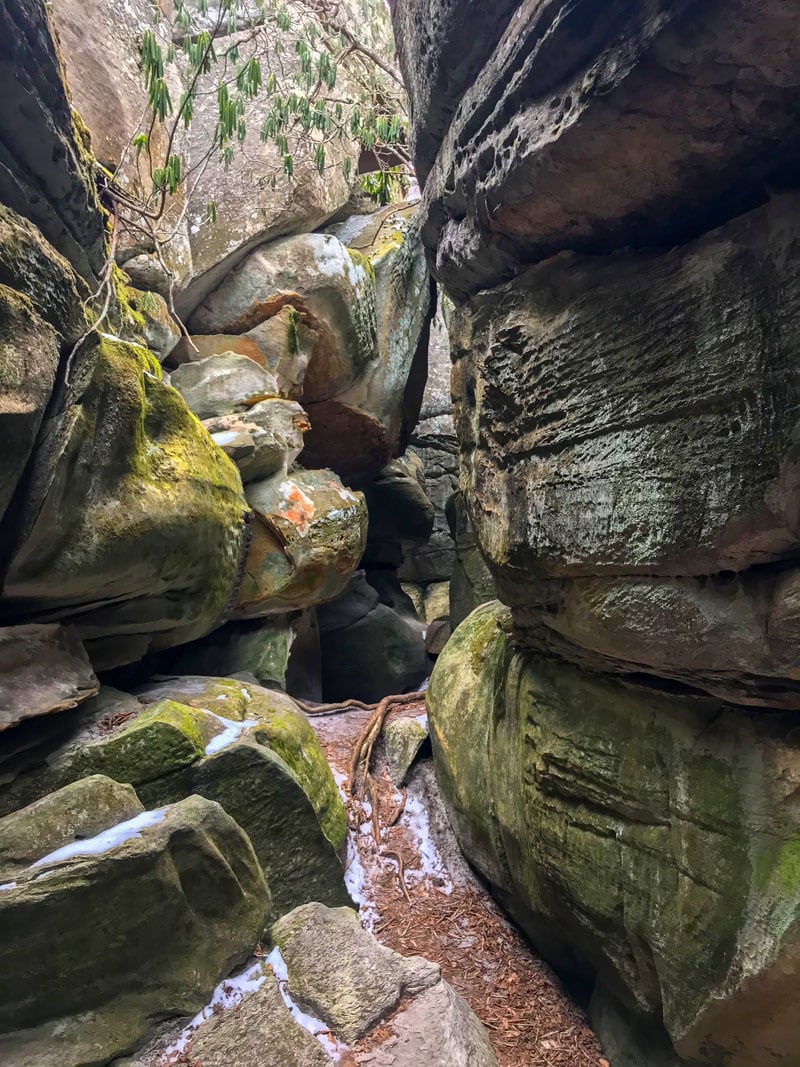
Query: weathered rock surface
pixel 553 146
pixel 331 287
pixel 247 748
pixel 335 980
pixel 222 384
pixel 437 1029
pixel 385 400
pixel 441 47
pixel 44 171
pixel 43 669
pixel 134 525
pixel 472 582
pixel 703 481
pixel 259 647
pixel 403 738
pixel 264 440
pixel 341 973
pixel 572 792
pixel 435 444
pixel 307 536
pixel 176 898
pixel 382 652
pixel 78 812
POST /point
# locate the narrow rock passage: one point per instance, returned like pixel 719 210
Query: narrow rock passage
pixel 418 896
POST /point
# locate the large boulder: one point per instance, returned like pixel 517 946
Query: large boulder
pixel 385 400
pixel 134 524
pixel 703 481
pixel 307 536
pixel 247 748
pixel 571 793
pixel 333 290
pixel 551 147
pixel 106 933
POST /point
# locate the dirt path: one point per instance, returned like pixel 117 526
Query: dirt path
pixel 418 895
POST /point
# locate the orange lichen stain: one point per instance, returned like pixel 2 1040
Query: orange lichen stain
pixel 297 507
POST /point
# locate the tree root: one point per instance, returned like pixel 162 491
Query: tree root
pixel 401 870
pixel 310 707
pixel 365 742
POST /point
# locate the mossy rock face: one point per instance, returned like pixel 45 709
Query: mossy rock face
pixel 573 793
pixel 281 725
pixel 133 925
pixel 29 355
pixel 246 747
pixel 308 535
pixel 147 744
pixel 254 785
pixel 139 533
pixel 79 811
pixel 344 975
pixel 40 313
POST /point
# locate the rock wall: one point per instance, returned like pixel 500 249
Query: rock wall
pixel 610 204
pixel 172 522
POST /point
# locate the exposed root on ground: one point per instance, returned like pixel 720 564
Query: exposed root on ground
pixel 419 898
pixel 365 743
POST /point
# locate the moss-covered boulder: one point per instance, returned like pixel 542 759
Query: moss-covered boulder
pixel 77 812
pixel 280 724
pixel 133 526
pixel 342 973
pixel 250 749
pixel 106 934
pixel 308 535
pixel 571 793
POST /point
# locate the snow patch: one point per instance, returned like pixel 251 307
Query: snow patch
pixel 245 694
pixel 7 885
pixel 355 881
pixel 433 866
pixel 108 839
pixel 314 1026
pixel 228 994
pixel 232 732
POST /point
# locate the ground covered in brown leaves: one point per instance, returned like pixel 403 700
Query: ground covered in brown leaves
pixel 419 897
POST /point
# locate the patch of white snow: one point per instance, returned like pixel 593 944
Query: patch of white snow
pixel 228 994
pixel 433 866
pixel 108 839
pixel 316 1027
pixel 232 732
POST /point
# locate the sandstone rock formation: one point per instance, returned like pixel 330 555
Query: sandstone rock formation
pixel 609 203
pixel 329 978
pixel 176 896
